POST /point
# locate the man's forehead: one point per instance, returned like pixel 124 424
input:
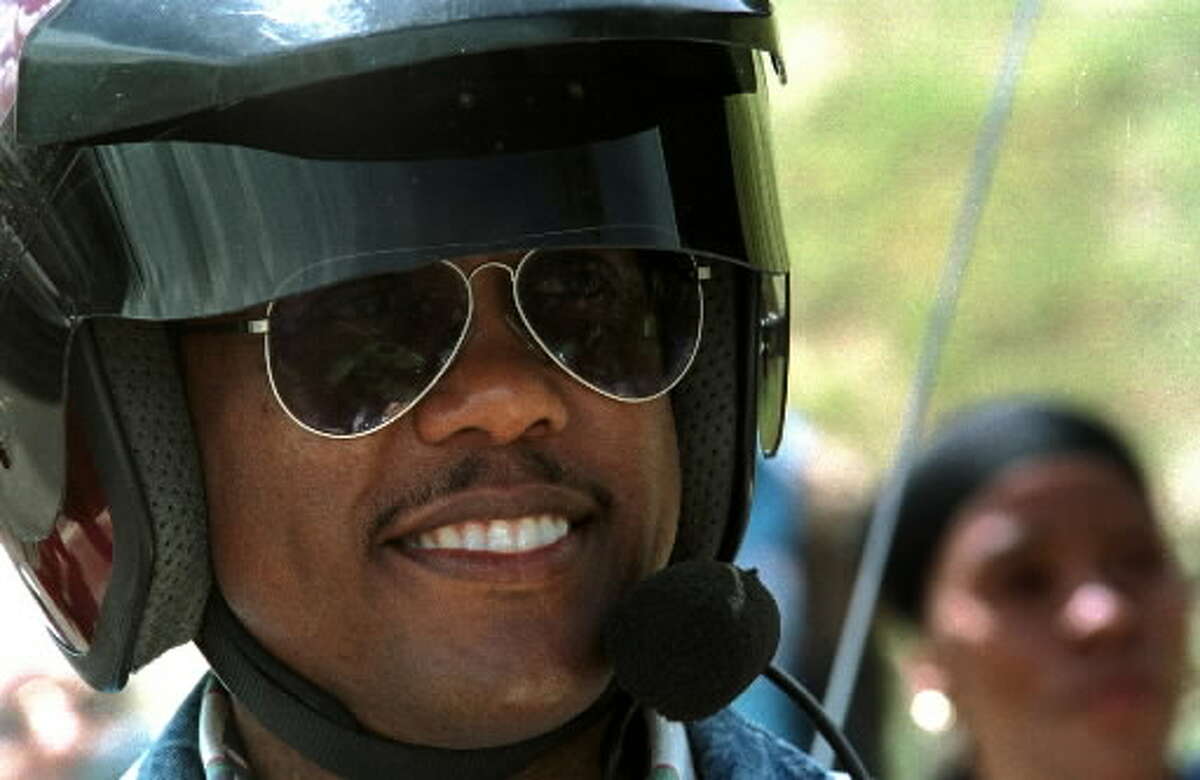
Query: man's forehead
pixel 465 263
pixel 251 313
pixel 471 262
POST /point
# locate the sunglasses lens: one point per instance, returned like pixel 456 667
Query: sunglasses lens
pixel 348 359
pixel 626 322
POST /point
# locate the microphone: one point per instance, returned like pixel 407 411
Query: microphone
pixel 687 640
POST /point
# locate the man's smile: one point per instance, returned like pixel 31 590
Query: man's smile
pixel 495 533
pixel 495 536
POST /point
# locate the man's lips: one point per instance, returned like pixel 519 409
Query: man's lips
pixel 505 520
pixel 503 536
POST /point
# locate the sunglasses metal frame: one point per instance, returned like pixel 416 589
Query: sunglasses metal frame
pixel 261 326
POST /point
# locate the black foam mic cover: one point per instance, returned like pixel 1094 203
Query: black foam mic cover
pixel 686 641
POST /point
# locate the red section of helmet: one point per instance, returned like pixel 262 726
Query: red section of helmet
pixel 17 18
pixel 73 565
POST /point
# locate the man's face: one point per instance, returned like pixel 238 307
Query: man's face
pixel 347 559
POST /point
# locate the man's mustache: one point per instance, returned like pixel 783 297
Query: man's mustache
pixel 522 463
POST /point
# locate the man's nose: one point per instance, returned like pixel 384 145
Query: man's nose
pixel 501 386
pixel 1095 609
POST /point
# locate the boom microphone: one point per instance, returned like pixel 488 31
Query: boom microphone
pixel 686 641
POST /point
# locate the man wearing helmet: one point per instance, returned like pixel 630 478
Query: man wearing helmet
pixel 506 511
pixel 382 349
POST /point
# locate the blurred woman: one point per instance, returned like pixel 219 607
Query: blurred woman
pixel 1049 607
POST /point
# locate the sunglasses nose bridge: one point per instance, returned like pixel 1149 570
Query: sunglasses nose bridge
pixel 513 317
pixel 495 265
pixel 491 264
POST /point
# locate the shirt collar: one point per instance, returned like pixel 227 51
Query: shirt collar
pixel 224 757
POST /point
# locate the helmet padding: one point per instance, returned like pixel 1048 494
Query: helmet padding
pixel 707 409
pixel 146 387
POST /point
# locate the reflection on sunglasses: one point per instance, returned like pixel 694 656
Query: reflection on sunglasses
pixel 346 360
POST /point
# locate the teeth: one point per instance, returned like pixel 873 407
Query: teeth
pixel 500 537
pixel 496 536
pixel 447 536
pixel 474 536
pixel 527 534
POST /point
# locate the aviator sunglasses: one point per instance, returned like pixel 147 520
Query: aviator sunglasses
pixel 346 360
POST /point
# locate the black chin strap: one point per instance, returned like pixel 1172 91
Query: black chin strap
pixel 326 733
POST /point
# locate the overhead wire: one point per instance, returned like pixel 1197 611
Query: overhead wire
pixel 864 597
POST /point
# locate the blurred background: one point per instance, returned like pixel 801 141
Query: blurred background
pixel 1082 283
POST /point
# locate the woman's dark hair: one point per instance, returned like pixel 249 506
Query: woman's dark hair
pixel 974 447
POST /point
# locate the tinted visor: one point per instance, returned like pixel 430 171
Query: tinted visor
pixel 203 225
pixel 347 360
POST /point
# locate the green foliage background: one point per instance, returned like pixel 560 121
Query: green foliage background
pixel 1083 280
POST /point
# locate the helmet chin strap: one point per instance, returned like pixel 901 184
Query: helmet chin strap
pixel 321 729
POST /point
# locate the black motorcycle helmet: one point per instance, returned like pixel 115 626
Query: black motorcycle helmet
pixel 173 160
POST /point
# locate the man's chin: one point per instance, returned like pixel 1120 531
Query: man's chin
pixel 492 716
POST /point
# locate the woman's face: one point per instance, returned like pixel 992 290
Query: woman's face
pixel 1056 616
